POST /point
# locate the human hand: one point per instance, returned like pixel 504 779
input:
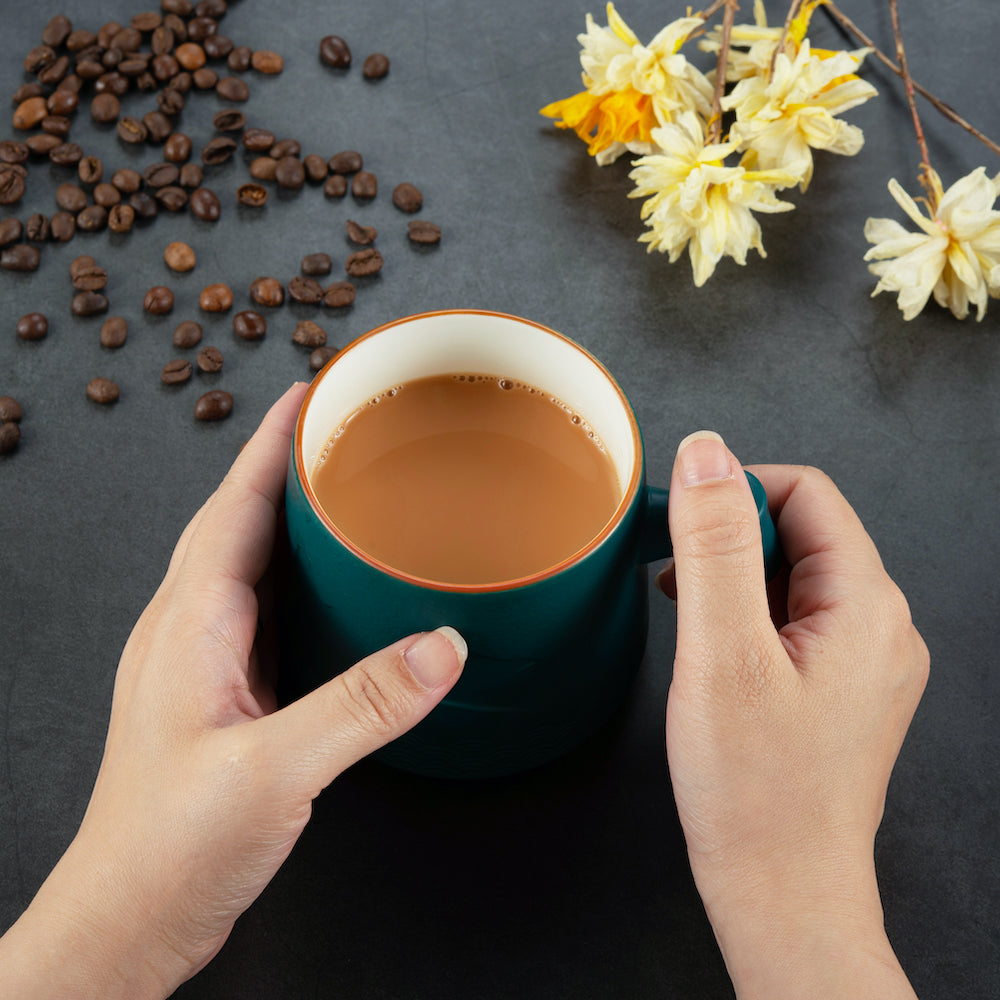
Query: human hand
pixel 204 787
pixel 782 734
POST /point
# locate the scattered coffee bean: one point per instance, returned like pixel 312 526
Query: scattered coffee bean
pixel 375 66
pixel 88 277
pixel 11 231
pixel 217 297
pixel 218 150
pixel 285 147
pixel 308 291
pixel 229 120
pixel 190 55
pixel 12 184
pixel 121 218
pixel 210 360
pixel 364 185
pixel 36 228
pixel 335 186
pixel 114 331
pixel 88 304
pixel 102 390
pixel 67 154
pixel 177 148
pixel 232 88
pixel 105 108
pixel 107 195
pixel 422 231
pixel 127 180
pixel 249 325
pixel 80 264
pixel 205 78
pixel 214 405
pixel 335 52
pixel 92 219
pixel 187 334
pixel 63 227
pixel 158 175
pixel 30 112
pixel 362 235
pixel 267 62
pixel 317 263
pixel 90 170
pixel 257 140
pixel 205 205
pixel 42 144
pixel 158 301
pixel 32 326
pixel 172 198
pixel 10 436
pixel 10 409
pixel 253 195
pixel 131 130
pixel 178 256
pixel 316 168
pixel 239 59
pixel 407 198
pixel 290 173
pixel 57 31
pixel 20 257
pixel 267 292
pixel 143 204
pixel 263 168
pixel 309 334
pixel 348 161
pixel 339 295
pixel 364 262
pixel 320 357
pixel 191 175
pixel 176 371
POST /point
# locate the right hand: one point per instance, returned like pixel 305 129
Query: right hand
pixel 782 734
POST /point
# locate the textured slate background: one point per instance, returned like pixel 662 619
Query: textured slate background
pixel 570 881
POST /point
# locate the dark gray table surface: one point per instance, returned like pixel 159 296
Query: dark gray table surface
pixel 570 881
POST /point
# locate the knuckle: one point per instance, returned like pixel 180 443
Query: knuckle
pixel 719 530
pixel 372 701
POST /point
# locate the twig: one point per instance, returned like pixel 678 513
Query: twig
pixel 715 121
pixel 945 109
pixel 704 15
pixel 793 9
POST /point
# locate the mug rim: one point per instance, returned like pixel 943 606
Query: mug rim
pixel 629 491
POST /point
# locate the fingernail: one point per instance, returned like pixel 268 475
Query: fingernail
pixel 425 659
pixel 702 458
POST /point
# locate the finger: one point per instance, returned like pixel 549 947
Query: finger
pixel 367 706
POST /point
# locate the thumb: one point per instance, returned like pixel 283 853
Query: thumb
pixel 718 558
pixel 367 706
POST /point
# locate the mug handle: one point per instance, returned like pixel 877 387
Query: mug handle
pixel 655 539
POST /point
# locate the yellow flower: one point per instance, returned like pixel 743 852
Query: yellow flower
pixel 694 201
pixel 956 256
pixel 781 120
pixel 630 87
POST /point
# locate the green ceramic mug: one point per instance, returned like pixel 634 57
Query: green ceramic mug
pixel 551 656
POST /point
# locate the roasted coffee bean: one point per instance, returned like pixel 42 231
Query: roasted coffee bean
pixel 164 67
pixel 114 332
pixel 57 31
pixel 43 144
pixel 172 198
pixel 191 175
pixel 375 66
pixel 105 108
pixel 11 410
pixel 217 297
pixel 128 40
pixel 170 102
pixel 232 88
pixel 362 235
pixel 107 195
pixel 12 151
pixel 30 112
pixel 67 154
pixel 348 161
pixel 147 21
pixel 179 27
pixel 36 228
pixel 162 41
pixel 143 205
pixel 112 83
pixel 214 405
pixel 52 74
pixel 158 126
pixel 57 125
pixel 121 218
pixel 315 264
pixel 10 231
pixel 12 184
pixel 92 219
pixel 179 256
pixel 229 120
pixel 80 264
pixel 210 360
pixel 26 90
pixel 200 28
pixel 63 101
pixel 285 147
pixel 10 435
pixel 239 59
pixel 127 181
pixel 254 195
pixel 217 46
pixel 158 301
pixel 267 62
pixel 422 231
pixel 32 326
pixel 175 372
pixel 249 325
pixel 364 262
pixel 205 78
pixel 305 290
pixel 316 168
pixel 136 67
pixel 218 150
pixel 211 8
pixel 90 69
pixel 335 52
pixel 20 257
pixel 90 170
pixel 102 390
pixel 364 185
pixel 267 292
pixel 38 58
pixel 257 140
pixel 407 198
pixel 71 197
pixel 205 205
pixel 177 148
pixel 131 130
pixel 63 227
pixel 263 168
pixel 187 334
pixel 309 334
pixel 88 304
pixel 290 173
pixel 180 8
pixel 321 356
pixel 339 295
pixel 88 277
pixel 190 55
